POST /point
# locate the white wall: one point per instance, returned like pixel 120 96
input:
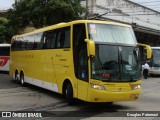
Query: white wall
pixel 126 11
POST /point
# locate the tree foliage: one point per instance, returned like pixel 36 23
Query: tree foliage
pixel 6 30
pixel 39 13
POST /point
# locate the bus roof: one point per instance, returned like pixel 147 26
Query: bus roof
pixel 70 23
pixel 4 44
pixel 100 22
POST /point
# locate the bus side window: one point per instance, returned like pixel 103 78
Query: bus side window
pixel 58 35
pixel 63 38
pixel 52 39
pixel 13 45
pixel 19 43
pixel 49 39
pixel 30 42
pixel 46 44
pixel 38 41
pixel 67 38
pixel 23 44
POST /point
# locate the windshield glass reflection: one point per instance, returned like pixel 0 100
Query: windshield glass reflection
pixel 115 63
pixel 111 34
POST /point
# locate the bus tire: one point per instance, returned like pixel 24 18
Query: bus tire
pixel 22 79
pixel 109 103
pixel 69 94
pixel 16 76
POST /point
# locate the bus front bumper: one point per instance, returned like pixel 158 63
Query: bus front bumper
pixel 108 96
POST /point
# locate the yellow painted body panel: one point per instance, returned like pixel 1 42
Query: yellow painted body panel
pixel 52 66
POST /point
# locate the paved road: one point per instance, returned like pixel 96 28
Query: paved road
pixel 6 83
pixel 13 97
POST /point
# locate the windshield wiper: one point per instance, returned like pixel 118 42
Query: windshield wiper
pixel 106 80
pixel 131 78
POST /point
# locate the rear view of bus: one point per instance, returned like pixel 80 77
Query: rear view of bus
pixel 4 57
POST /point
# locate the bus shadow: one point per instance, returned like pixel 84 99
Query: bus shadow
pixel 98 110
pixel 105 106
pixel 43 91
pixel 86 109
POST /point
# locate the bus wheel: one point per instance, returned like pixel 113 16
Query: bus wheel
pixel 16 77
pixel 22 80
pixel 69 94
pixel 109 103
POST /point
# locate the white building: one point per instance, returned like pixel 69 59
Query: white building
pixel 140 17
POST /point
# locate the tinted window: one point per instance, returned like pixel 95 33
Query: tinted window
pixel 19 43
pixel 38 43
pixel 29 42
pixel 58 38
pixel 63 38
pixel 67 37
pixel 49 39
pixel 4 51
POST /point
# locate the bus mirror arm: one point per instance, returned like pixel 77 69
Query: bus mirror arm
pixel 91 47
pixel 148 49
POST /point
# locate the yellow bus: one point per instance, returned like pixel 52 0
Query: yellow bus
pixel 91 60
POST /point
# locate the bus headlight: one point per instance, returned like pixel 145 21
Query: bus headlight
pixel 99 87
pixel 135 86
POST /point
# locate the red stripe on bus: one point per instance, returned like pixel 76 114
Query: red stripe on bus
pixel 3 60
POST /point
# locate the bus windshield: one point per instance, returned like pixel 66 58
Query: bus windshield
pixel 115 63
pixel 111 34
pixel 156 56
pixel 4 51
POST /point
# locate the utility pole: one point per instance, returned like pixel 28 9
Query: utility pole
pixel 87 12
pixel 16 2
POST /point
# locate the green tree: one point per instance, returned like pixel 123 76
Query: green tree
pixel 39 13
pixel 5 30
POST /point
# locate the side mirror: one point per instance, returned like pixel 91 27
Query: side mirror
pixel 91 46
pixel 148 50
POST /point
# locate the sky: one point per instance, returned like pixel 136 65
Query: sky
pixel 5 4
pixel 153 4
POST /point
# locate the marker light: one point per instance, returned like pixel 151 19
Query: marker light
pixel 99 87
